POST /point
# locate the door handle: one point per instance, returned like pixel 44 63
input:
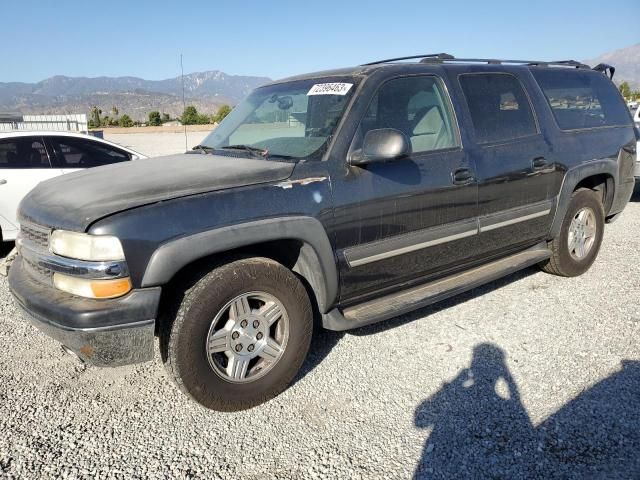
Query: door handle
pixel 462 176
pixel 539 163
pixel 2 181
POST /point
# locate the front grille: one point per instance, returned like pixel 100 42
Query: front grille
pixel 34 238
pixel 35 234
pixel 37 270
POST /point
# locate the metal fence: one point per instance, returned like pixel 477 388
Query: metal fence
pixel 61 123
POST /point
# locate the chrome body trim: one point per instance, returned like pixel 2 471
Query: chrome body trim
pixel 417 240
pixel 411 248
pixel 69 266
pixel 506 223
pixel 409 242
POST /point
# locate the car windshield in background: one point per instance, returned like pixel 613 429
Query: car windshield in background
pixel 287 120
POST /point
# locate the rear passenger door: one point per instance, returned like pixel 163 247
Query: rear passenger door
pixel 407 218
pixel 514 165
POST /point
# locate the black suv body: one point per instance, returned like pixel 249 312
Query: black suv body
pixel 429 178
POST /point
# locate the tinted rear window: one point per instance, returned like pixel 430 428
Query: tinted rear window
pixel 23 152
pixel 499 107
pixel 581 99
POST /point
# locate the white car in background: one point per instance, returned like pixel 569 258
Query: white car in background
pixel 29 157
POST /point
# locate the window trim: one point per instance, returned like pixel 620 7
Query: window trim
pixel 449 105
pixel 509 140
pixel 33 138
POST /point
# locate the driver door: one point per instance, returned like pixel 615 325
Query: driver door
pixel 403 220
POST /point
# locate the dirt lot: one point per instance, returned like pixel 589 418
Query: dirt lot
pixel 155 144
pixel 532 376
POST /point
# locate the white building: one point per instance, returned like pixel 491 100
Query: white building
pixel 76 122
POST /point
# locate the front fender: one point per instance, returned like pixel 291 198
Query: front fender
pixel 316 262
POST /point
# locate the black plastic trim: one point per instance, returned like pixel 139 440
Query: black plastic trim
pixel 571 179
pixel 172 256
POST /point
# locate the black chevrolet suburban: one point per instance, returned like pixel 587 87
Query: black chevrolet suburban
pixel 337 199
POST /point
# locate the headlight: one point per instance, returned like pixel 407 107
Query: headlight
pixel 82 246
pixel 92 288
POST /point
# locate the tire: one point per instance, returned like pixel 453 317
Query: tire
pixel 568 263
pixel 212 314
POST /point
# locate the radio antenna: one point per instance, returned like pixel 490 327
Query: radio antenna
pixel 184 106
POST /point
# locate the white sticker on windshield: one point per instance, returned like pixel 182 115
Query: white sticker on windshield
pixel 330 89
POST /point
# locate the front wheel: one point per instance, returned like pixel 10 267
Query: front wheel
pixel 575 249
pixel 240 334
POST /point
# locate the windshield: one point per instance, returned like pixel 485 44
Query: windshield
pixel 287 120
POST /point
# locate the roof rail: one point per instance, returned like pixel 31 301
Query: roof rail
pixel 445 57
pixel 435 56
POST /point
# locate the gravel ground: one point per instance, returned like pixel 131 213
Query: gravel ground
pixel 157 144
pixel 533 376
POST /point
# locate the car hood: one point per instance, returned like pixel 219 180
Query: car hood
pixel 76 200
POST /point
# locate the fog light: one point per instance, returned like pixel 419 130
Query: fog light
pixel 92 288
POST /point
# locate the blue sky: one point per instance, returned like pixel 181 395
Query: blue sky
pixel 279 38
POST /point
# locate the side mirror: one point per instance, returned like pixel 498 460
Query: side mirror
pixel 381 145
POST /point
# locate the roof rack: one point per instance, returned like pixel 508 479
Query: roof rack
pixel 435 56
pixel 445 57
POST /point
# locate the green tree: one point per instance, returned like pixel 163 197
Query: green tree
pixel 125 121
pixel 166 117
pixel 189 116
pixel 223 111
pixel 625 89
pixel 94 117
pixel 154 119
pixel 115 111
pixel 105 121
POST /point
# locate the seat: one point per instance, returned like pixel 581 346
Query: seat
pixel 12 160
pixel 34 159
pixel 429 131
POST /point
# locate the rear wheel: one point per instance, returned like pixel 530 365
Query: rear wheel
pixel 576 247
pixel 240 334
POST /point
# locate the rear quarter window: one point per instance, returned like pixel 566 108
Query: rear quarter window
pixel 581 99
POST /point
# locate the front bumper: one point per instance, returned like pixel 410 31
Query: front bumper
pixel 105 333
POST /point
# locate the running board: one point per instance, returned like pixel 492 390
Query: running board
pixel 407 300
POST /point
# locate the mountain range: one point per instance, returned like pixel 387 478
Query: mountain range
pixel 627 64
pixel 131 95
pixel 207 91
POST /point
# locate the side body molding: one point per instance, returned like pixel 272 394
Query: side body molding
pixel 574 176
pixel 316 261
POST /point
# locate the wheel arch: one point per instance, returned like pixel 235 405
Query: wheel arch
pixel 299 243
pixel 599 175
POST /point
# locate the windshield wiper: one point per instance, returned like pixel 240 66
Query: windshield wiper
pixel 247 148
pixel 203 148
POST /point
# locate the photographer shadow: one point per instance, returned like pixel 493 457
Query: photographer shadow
pixel 479 427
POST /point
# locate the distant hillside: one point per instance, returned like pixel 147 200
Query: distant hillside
pixel 627 64
pixel 132 95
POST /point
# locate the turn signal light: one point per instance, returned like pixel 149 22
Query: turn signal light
pixel 92 288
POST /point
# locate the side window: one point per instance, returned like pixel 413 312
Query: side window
pixel 499 107
pixel 23 152
pixel 581 99
pixel 416 106
pixel 78 153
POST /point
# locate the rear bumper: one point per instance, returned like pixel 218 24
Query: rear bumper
pixel 105 333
